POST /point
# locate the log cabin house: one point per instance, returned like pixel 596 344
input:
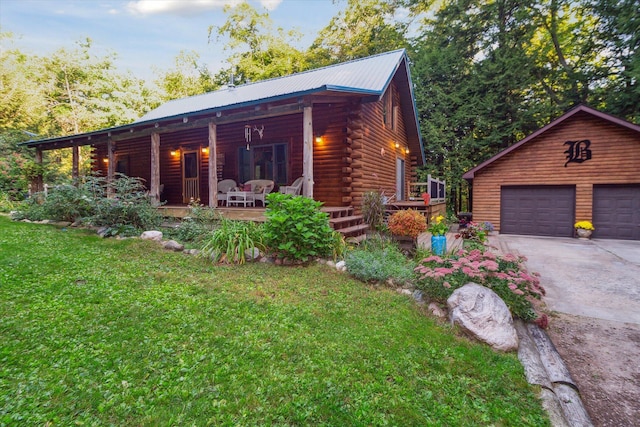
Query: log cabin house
pixel 584 165
pixel 346 129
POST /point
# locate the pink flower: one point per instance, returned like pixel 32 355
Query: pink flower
pixel 446 285
pixel 513 286
pixel 489 265
pixel 518 292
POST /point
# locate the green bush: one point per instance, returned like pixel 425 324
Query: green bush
pixel 7 202
pixel 296 229
pixel 199 225
pixel 62 203
pixel 379 259
pixel 229 242
pixel 128 203
pixel 506 276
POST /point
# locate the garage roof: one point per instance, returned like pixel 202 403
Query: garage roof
pixel 581 108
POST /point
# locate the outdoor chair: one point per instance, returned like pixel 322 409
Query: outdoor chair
pixel 224 187
pixel 294 188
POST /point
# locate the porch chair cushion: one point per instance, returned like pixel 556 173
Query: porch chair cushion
pixel 260 188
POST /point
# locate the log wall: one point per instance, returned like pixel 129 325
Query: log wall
pixel 541 161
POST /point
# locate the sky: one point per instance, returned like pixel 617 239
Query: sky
pixel 147 34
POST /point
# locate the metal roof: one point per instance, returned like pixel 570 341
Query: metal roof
pixel 367 76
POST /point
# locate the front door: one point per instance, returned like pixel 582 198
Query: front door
pixel 190 176
pixel 400 177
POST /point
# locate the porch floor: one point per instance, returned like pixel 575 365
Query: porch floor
pixel 246 214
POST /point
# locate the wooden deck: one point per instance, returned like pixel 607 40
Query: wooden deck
pixel 245 214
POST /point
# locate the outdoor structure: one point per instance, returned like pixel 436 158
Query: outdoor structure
pixel 585 165
pixel 345 129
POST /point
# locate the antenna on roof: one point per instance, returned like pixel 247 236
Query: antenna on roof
pixel 231 83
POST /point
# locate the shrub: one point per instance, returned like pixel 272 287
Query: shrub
pixel 506 276
pixel 408 222
pixel 7 202
pixel 128 203
pixel 474 235
pixel 296 229
pixel 379 259
pixel 62 203
pixel 229 242
pixel 199 225
pixel 373 210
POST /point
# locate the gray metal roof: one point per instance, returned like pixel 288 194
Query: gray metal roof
pixel 368 76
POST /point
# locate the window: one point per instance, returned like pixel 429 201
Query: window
pixel 263 162
pixel 389 110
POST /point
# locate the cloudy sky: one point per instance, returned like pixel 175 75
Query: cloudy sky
pixel 146 33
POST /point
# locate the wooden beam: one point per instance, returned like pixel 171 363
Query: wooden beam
pixel 154 191
pixel 111 165
pixel 213 166
pixel 307 151
pixel 75 164
pixel 37 182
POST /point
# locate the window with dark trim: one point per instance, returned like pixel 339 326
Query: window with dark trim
pixel 263 162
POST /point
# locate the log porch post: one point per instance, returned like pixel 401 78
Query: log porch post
pixel 37 181
pixel 213 166
pixel 75 164
pixel 307 151
pixel 154 190
pixel 111 165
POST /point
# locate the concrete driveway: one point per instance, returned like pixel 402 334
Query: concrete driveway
pixel 593 278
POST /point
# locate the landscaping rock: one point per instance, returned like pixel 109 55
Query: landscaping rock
pixel 172 245
pixel 61 223
pixel 152 235
pixel 436 310
pixel 76 223
pixel 483 315
pixel 405 291
pixel 419 297
pixel 102 231
pixel 341 265
pixel 331 264
pixel 191 251
pixel 252 254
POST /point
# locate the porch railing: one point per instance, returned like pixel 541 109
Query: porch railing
pixel 434 187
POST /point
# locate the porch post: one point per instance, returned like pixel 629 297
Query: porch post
pixel 37 181
pixel 111 165
pixel 75 164
pixel 213 166
pixel 154 190
pixel 307 152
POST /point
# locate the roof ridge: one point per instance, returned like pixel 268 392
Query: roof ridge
pixel 338 64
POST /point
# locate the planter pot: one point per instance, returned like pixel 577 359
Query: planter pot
pixel 405 243
pixel 439 245
pixel 583 233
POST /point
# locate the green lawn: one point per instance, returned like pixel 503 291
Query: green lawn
pixel 120 332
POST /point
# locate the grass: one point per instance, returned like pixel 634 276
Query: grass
pixel 120 332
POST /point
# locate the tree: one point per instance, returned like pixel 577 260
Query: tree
pixel 188 78
pixel 256 53
pixel 365 28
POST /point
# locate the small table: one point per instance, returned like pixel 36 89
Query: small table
pixel 235 198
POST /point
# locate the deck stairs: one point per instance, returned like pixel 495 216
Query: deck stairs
pixel 343 220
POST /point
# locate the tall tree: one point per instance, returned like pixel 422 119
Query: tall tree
pixel 188 77
pixel 364 28
pixel 257 53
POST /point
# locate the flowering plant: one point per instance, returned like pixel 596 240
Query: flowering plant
pixel 408 222
pixel 505 275
pixel 584 224
pixel 438 226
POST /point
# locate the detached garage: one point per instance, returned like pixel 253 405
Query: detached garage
pixel 584 165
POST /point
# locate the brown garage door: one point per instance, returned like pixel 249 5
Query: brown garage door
pixel 539 210
pixel 616 211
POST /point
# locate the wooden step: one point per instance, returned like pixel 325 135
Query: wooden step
pixel 354 230
pixel 345 221
pixel 338 212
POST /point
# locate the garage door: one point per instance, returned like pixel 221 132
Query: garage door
pixel 540 210
pixel 616 211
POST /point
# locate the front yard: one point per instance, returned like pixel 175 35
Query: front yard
pixel 120 332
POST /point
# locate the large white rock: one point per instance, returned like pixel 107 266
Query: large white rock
pixel 172 245
pixel 482 314
pixel 152 235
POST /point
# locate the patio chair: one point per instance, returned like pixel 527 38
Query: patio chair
pixel 294 188
pixel 224 187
